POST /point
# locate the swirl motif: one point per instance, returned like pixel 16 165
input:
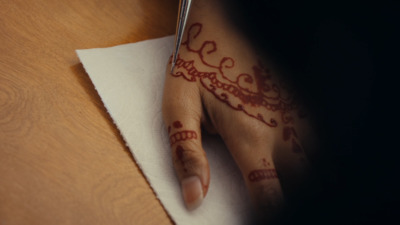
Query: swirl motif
pixel 236 93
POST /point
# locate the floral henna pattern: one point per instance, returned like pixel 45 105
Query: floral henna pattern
pixel 253 94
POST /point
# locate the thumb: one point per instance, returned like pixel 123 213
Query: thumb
pixel 182 113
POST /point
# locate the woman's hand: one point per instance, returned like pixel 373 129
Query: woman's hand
pixel 222 83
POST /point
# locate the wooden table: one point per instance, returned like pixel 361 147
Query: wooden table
pixel 62 160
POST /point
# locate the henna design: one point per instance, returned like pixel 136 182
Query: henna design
pixel 257 90
pixel 258 175
pixel 178 136
pixel 177 124
pixel 265 163
pixel 262 174
pixel 182 136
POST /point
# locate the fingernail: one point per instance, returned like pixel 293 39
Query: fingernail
pixel 192 191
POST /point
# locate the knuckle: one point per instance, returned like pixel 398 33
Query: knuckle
pixel 188 160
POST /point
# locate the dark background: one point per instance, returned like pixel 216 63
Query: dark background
pixel 343 58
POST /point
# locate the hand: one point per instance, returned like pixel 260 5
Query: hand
pixel 221 83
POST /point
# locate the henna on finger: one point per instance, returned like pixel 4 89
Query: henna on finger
pixel 180 135
pixel 266 191
pixel 265 173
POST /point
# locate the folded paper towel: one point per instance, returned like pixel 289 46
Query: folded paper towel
pixel 129 79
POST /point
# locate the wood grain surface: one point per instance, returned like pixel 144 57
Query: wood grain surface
pixel 62 161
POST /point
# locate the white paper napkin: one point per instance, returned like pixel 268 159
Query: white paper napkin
pixel 129 79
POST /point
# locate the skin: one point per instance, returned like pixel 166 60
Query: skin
pixel 268 136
